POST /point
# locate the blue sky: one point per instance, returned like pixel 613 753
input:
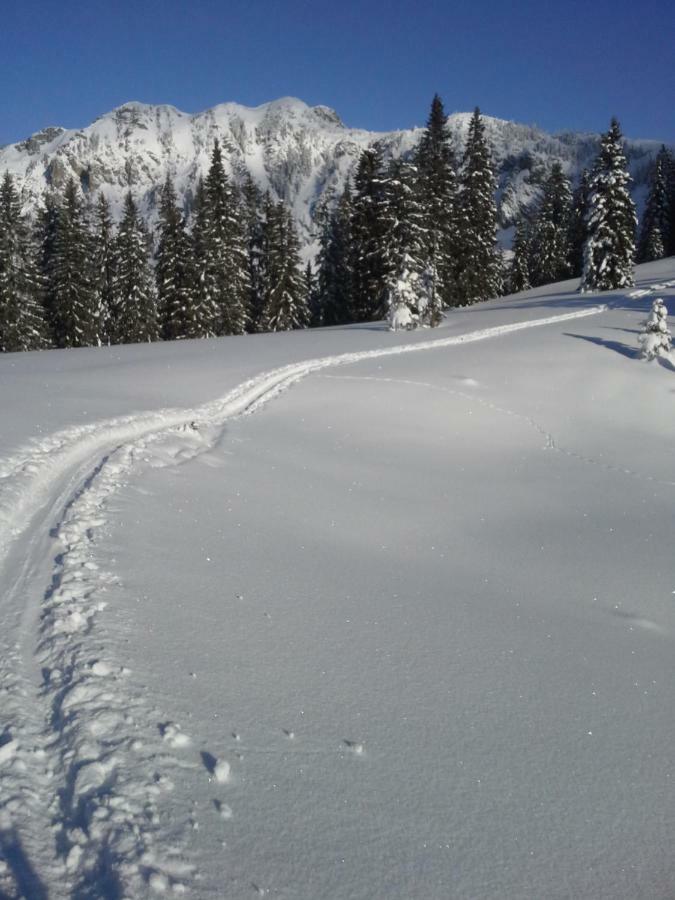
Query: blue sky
pixel 558 65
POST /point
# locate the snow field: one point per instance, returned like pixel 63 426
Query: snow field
pixel 106 758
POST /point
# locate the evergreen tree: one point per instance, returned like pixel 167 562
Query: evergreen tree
pixel 370 260
pixel 134 309
pixel 284 293
pixel 22 323
pixel 336 270
pixel 437 194
pixel 655 338
pixel 204 288
pixel 519 276
pixel 67 254
pixel 181 313
pixel 610 245
pixel 251 205
pixel 578 226
pixel 670 186
pixel 103 259
pixel 312 297
pixel 480 270
pixel 550 233
pixel 226 261
pixel 655 231
pixel 412 280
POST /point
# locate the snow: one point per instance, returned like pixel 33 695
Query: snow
pixel 343 613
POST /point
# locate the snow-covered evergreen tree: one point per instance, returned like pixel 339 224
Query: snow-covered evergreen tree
pixel 519 276
pixel 22 321
pixel 312 296
pixel 437 195
pixel 480 267
pixel 134 308
pixel 285 299
pixel 655 230
pixel 550 231
pixel 103 261
pixel 252 212
pixel 578 226
pixel 409 296
pixel 409 265
pixel 71 298
pixel 669 166
pixel 655 338
pixel 368 236
pixel 609 250
pixel 181 313
pixel 335 261
pixel 226 259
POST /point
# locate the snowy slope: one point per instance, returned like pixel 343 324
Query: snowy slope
pixel 296 151
pixel 406 631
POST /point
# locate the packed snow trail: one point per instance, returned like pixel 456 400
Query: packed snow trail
pixel 80 768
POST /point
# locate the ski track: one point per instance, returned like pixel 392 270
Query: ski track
pixel 84 759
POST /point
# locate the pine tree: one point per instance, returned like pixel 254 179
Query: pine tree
pixel 670 187
pixel 134 309
pixel 103 259
pixel 549 235
pixel 655 337
pixel 336 270
pixel 519 276
pixel 368 236
pixel 181 314
pixel 285 300
pixel 226 259
pixel 67 253
pixel 251 206
pixel 610 245
pixel 437 193
pixel 312 297
pixel 22 322
pixel 655 231
pixel 480 270
pixel 412 280
pixel 578 226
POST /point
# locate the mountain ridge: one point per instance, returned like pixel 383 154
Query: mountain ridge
pixel 300 153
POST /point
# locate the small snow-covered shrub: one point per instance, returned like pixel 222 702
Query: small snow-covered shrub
pixel 655 339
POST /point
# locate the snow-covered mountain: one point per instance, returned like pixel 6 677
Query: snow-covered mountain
pixel 298 152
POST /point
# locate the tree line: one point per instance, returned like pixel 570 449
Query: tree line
pixel 407 239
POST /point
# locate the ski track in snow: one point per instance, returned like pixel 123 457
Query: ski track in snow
pixel 84 759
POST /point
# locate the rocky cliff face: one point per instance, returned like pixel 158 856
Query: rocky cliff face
pixel 295 151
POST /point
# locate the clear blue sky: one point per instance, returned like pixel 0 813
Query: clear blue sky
pixel 563 65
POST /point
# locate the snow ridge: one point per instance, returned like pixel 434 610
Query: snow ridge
pixel 87 752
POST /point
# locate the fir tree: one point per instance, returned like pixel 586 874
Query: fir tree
pixel 655 337
pixel 134 307
pixel 368 236
pixel 180 311
pixel 519 276
pixel 22 323
pixel 103 259
pixel 655 231
pixel 67 254
pixel 549 235
pixel 312 297
pixel 251 206
pixel 336 270
pixel 437 194
pixel 480 271
pixel 610 244
pixel 285 300
pixel 412 279
pixel 578 225
pixel 226 262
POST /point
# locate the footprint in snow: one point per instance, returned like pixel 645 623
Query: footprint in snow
pixel 224 811
pixel 172 734
pixel 220 769
pixel 355 746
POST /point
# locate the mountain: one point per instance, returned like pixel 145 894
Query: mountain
pixel 300 153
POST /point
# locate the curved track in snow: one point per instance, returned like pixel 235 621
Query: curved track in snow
pixel 82 772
